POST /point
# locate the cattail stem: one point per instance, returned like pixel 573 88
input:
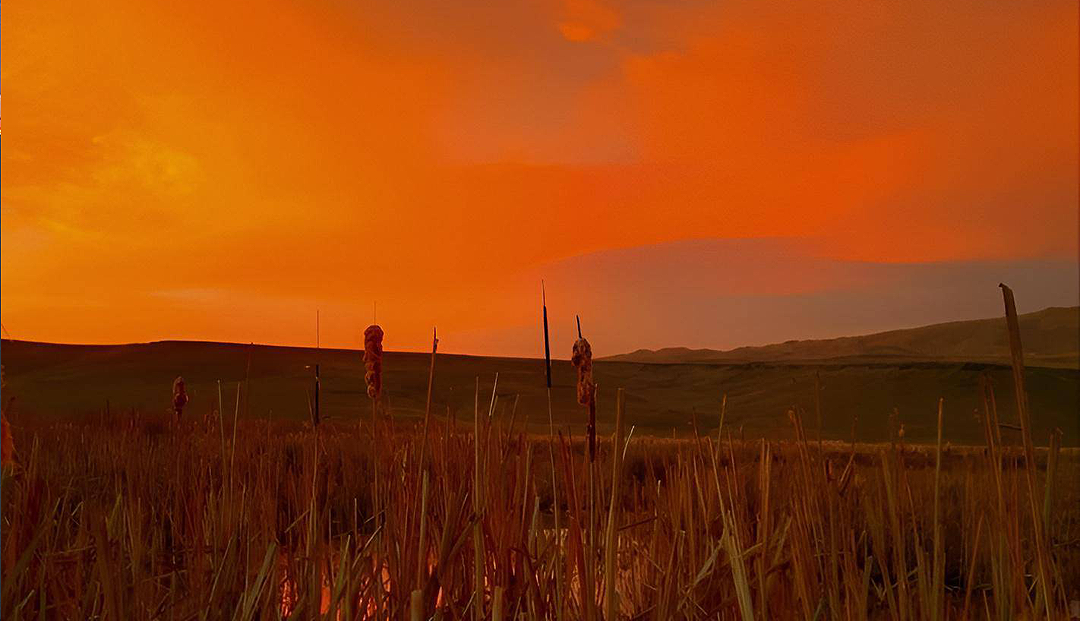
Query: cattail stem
pixel 590 559
pixel 555 510
pixel 221 427
pixel 316 415
pixel 970 582
pixel 375 508
pixel 497 604
pixel 1017 350
pixel 555 507
pixel 1051 476
pixel 423 456
pixel 421 548
pixel 427 406
pixel 817 408
pixel 937 582
pixel 236 420
pixel 478 511
pixel 416 606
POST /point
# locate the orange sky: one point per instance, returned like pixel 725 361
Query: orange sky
pixel 220 170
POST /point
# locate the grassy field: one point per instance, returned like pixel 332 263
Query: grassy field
pixel 62 382
pixel 133 517
pixel 813 491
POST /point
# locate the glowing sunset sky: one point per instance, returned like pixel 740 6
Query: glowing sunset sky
pixel 682 173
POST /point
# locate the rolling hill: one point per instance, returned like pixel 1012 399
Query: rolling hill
pixel 1051 338
pixel 79 382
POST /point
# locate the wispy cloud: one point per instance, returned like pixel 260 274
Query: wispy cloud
pixel 588 20
pixel 434 155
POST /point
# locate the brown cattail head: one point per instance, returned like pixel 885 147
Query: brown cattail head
pixel 582 361
pixel 373 360
pixel 179 396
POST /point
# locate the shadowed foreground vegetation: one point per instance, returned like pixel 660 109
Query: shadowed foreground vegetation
pixel 61 382
pixel 134 517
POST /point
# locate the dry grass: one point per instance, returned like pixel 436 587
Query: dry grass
pixel 139 519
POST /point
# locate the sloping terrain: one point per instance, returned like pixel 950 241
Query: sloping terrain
pixel 1051 338
pixel 65 381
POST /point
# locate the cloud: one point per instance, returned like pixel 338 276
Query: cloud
pixel 588 20
pixel 725 293
pixel 435 156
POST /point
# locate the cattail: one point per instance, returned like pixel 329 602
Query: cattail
pixel 373 360
pixel 586 395
pixel 582 361
pixel 179 396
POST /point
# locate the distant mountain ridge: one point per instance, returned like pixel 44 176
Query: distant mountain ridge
pixel 1051 337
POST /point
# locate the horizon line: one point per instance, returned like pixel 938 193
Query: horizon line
pixel 538 357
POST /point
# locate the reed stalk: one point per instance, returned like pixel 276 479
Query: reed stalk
pixel 1017 350
pixel 478 513
pixel 1052 457
pixel 611 543
pixel 556 508
pixel 937 581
